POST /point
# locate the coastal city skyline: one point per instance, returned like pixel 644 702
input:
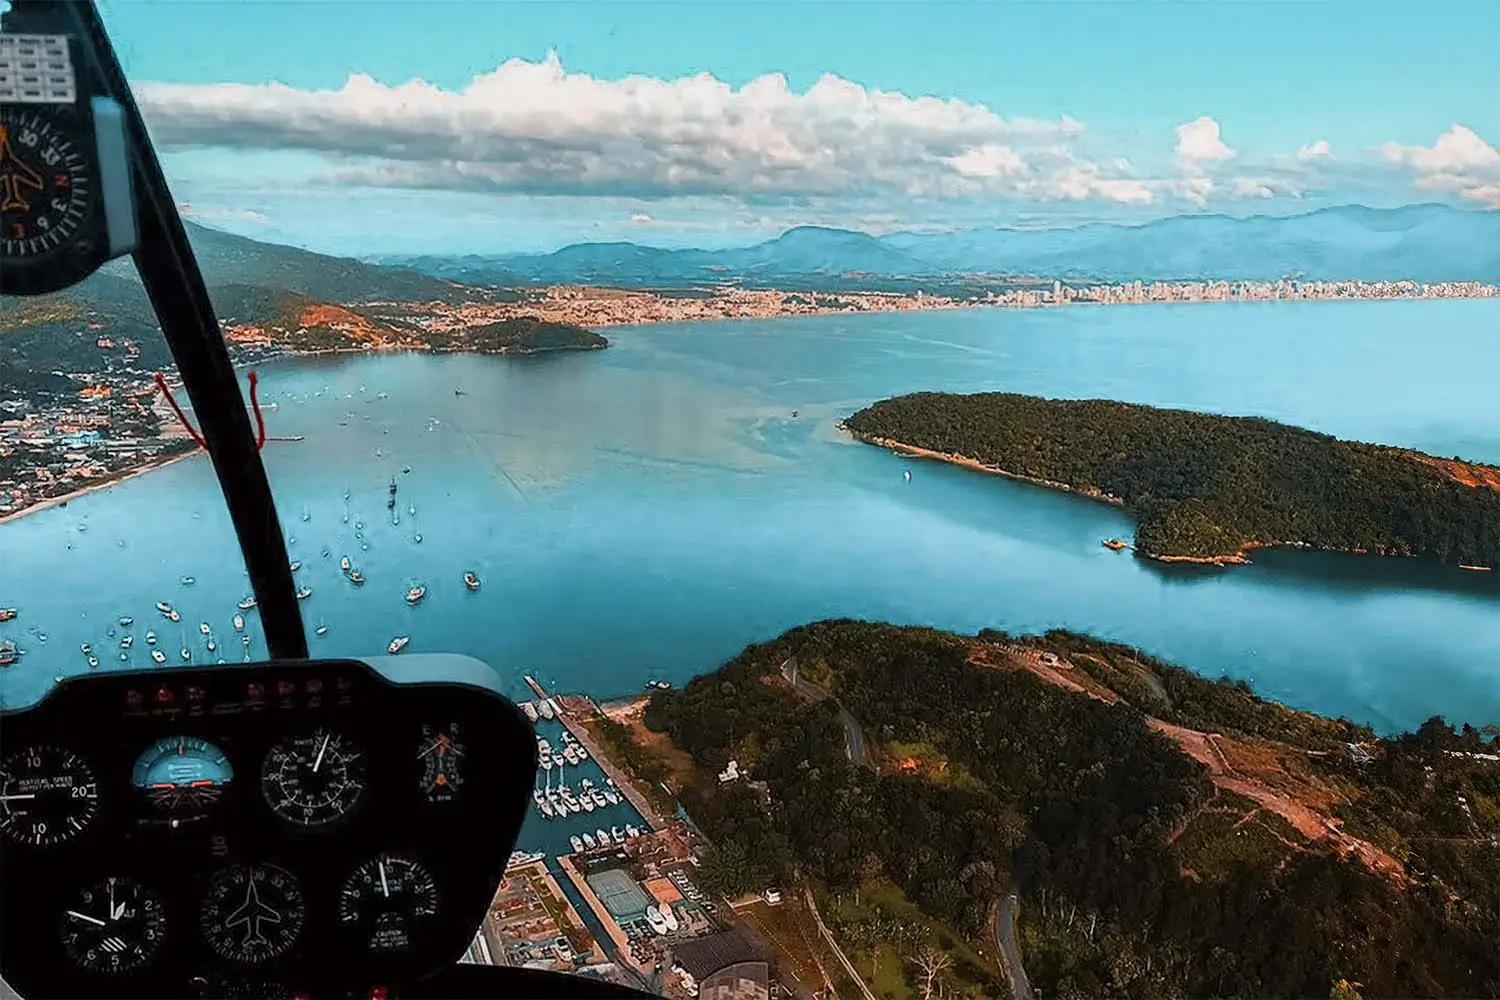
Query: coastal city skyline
pixel 524 128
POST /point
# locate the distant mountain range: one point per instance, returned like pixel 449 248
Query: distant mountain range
pixel 1421 242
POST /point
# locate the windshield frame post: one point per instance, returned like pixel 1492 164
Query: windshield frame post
pixel 174 283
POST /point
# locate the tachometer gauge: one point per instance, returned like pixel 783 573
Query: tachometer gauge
pixel 442 756
pixel 47 796
pixel 252 913
pixel 114 926
pixel 182 774
pixel 386 899
pixel 313 779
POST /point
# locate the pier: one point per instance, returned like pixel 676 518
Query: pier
pixel 572 719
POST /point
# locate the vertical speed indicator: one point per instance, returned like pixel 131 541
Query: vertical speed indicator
pixel 48 796
pixel 441 754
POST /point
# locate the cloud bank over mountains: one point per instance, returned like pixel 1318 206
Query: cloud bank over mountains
pixel 538 128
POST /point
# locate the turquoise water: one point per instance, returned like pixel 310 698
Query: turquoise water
pixel 645 511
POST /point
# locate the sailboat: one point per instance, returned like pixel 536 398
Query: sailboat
pixel 322 628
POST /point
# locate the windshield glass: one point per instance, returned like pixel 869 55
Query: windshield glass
pixel 987 500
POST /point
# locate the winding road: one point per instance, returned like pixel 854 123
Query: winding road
pixel 854 735
pixel 1010 953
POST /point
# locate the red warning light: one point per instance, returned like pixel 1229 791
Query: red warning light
pixel 164 696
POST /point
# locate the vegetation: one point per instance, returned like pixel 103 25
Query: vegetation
pixel 1100 821
pixel 519 335
pixel 1206 486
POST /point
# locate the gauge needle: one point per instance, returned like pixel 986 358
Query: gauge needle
pixel 85 917
pixel 112 914
pixel 18 795
pixel 385 889
pixel 321 750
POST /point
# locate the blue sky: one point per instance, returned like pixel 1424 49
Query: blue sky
pixel 666 123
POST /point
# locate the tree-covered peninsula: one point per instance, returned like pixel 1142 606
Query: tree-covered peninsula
pixel 1205 487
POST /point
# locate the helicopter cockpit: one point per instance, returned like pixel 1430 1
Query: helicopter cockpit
pixel 292 827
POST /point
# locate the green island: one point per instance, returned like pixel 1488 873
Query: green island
pixel 1208 488
pixel 1167 835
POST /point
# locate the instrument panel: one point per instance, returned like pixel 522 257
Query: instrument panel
pixel 271 828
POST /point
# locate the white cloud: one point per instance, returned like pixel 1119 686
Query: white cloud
pixel 1199 144
pixel 1266 187
pixel 537 127
pixel 1315 151
pixel 1458 162
pixel 220 213
pixel 989 160
pixel 1193 189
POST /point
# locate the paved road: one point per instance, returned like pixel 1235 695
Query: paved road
pixel 854 734
pixel 1010 952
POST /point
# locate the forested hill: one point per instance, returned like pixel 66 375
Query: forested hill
pixel 1169 836
pixel 1210 487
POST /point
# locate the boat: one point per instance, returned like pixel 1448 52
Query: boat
pixel 1115 544
pixel 612 797
pixel 246 603
pixel 543 746
pixel 668 916
pixel 577 844
pixel 470 580
pixel 158 656
pixel 186 654
pixel 93 660
pixel 398 644
pixel 602 837
pixel 124 658
pixel 306 514
pixel 557 759
pixel 7 614
pixel 212 646
pixel 188 581
pixel 599 800
pixel 127 642
pixel 906 475
pixel 239 623
pixel 631 830
pixel 357 578
pixel 125 621
pixel 524 858
pixel 164 607
pixel 617 835
pixel 546 763
pixel 545 808
pixel 303 593
pixel 322 628
pixel 586 801
pixel 654 919
pixel 570 755
pixel 544 709
pixel 174 616
pixel 203 627
pixel 581 752
pixel 530 710
pixel 8 653
pixel 589 841
pixel 150 637
pixel 345 564
pixel 87 649
pixel 245 641
pixel 415 594
pixel 417 538
pixel 296 565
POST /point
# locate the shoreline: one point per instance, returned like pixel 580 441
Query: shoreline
pixel 1241 557
pixel 113 479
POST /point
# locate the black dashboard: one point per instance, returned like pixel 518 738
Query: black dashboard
pixel 320 828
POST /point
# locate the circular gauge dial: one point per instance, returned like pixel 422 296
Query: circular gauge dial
pixel 47 796
pixel 252 913
pixel 442 755
pixel 313 779
pixel 44 185
pixel 386 899
pixel 114 926
pixel 182 774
